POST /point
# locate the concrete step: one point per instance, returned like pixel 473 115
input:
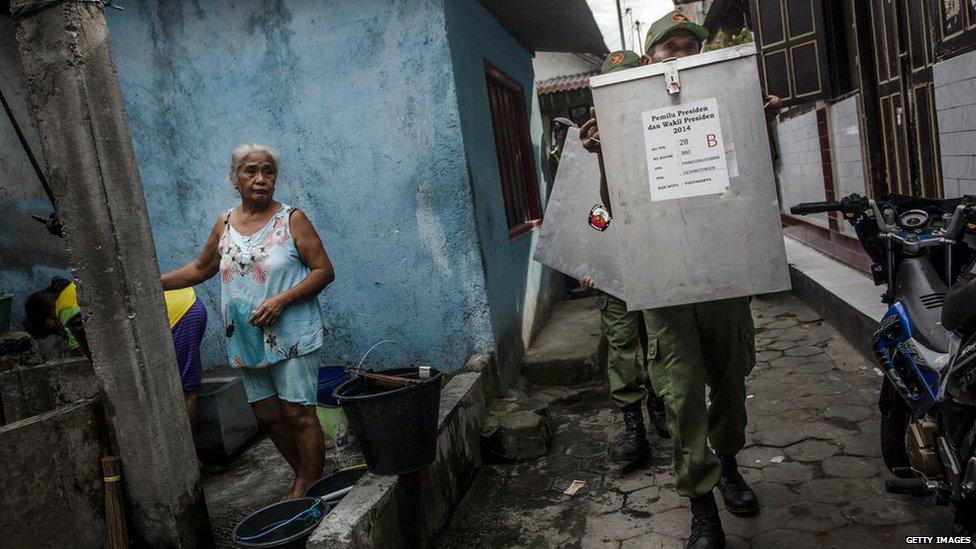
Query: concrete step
pixel 569 350
pixel 844 296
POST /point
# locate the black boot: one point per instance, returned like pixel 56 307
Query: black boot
pixel 740 500
pixel 659 416
pixel 633 444
pixel 706 526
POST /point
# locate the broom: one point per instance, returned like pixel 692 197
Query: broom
pixel 116 536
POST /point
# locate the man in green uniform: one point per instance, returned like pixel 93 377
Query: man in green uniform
pixel 622 328
pixel 697 345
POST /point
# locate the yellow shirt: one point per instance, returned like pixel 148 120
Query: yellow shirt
pixel 178 302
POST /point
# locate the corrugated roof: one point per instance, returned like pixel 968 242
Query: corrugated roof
pixel 565 83
pixel 549 25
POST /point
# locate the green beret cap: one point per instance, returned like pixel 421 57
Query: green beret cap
pixel 672 21
pixel 619 60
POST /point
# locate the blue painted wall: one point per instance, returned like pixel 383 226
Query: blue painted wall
pixel 359 99
pixel 380 112
pixel 520 291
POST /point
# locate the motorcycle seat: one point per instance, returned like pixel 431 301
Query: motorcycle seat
pixel 959 309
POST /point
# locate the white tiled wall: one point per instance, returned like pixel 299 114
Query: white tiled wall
pixel 799 169
pixel 800 166
pixel 846 151
pixel 955 103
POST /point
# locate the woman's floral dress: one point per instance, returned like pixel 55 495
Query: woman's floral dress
pixel 252 269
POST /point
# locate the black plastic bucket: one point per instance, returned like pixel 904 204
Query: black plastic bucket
pixel 343 478
pixel 283 524
pixel 396 428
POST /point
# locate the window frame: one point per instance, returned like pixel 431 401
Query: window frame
pixel 962 40
pixel 513 151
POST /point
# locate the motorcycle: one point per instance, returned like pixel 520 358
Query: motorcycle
pixel 923 250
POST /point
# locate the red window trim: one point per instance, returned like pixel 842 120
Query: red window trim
pixel 514 153
pixel 525 228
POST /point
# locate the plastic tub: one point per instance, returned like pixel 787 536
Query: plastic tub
pixel 343 478
pixel 283 524
pixel 330 377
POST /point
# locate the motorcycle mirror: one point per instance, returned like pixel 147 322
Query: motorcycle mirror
pixel 889 216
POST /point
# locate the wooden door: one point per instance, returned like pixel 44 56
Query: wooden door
pixel 793 55
pixel 903 57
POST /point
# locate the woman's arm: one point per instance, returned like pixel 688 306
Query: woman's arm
pixel 320 274
pixel 203 267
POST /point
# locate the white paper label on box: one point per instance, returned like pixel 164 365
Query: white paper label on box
pixel 685 153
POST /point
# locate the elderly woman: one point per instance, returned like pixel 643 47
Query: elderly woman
pixel 272 266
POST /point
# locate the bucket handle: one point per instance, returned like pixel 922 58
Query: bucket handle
pixel 385 341
pixel 389 380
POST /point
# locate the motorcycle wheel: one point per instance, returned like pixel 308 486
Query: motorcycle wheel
pixel 894 424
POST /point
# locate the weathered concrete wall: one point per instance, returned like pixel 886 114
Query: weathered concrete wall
pixel 34 389
pixel 359 99
pixel 29 255
pixel 520 291
pixel 77 105
pixel 955 104
pixel 52 480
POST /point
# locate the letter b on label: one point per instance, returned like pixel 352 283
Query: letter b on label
pixel 712 140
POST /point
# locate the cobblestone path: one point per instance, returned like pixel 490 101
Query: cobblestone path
pixel 812 456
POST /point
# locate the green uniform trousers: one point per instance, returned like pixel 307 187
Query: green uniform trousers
pixel 689 347
pixel 624 368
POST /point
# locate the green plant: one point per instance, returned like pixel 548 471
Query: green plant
pixel 722 39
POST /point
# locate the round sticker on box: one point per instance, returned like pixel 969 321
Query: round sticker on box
pixel 599 218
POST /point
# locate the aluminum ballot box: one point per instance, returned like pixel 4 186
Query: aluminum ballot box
pixel 575 238
pixel 687 159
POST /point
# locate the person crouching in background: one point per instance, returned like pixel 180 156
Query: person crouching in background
pixel 55 311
